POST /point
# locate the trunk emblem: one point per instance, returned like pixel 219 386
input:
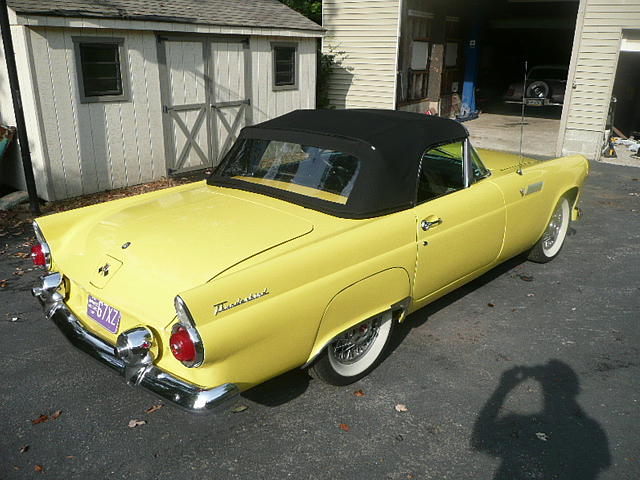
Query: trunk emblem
pixel 104 270
pixel 126 245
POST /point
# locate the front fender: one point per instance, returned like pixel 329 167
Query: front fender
pixel 360 301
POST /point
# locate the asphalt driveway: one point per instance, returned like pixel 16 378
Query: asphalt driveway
pixel 529 372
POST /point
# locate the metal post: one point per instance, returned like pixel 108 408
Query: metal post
pixel 14 84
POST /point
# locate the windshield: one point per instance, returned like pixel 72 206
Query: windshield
pixel 303 169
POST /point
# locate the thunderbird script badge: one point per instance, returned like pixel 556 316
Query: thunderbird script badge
pixel 224 306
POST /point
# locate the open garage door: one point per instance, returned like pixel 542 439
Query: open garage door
pixel 541 34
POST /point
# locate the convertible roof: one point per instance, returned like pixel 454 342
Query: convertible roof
pixel 388 143
pixel 380 128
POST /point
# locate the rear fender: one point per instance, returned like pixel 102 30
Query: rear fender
pixel 389 289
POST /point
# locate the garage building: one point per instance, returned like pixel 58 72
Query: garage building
pixel 427 55
pixel 123 92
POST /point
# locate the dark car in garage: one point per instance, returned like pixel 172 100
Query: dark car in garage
pixel 545 85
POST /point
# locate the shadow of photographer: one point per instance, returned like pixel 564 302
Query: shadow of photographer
pixel 559 442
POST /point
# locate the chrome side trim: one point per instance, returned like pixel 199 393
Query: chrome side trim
pixel 533 188
pixel 172 389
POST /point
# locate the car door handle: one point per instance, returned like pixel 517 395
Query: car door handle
pixel 429 222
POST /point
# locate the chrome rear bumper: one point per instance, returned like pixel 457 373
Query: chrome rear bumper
pixel 172 389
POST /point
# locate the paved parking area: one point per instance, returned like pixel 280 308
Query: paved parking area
pixel 529 372
pixel 502 132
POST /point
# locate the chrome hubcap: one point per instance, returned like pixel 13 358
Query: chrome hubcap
pixel 356 342
pixel 553 230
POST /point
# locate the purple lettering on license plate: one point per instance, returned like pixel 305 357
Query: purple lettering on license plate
pixel 104 314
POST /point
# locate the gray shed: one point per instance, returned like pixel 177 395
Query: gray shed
pixel 122 92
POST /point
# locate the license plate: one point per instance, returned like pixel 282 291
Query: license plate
pixel 534 101
pixel 104 314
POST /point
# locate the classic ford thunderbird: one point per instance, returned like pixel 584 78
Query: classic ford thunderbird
pixel 318 232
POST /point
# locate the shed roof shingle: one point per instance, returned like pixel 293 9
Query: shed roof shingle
pixel 251 13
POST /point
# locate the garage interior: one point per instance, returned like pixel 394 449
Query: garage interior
pixel 513 32
pixel 505 34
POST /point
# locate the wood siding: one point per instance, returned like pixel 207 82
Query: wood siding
pixel 267 103
pixel 363 36
pixel 592 73
pixel 98 146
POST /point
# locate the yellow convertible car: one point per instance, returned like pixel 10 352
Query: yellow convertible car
pixel 317 233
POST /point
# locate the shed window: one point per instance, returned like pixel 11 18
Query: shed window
pixel 100 70
pixel 284 66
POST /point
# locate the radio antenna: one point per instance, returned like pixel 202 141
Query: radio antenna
pixel 524 95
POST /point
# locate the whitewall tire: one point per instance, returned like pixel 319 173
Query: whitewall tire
pixel 354 353
pixel 550 244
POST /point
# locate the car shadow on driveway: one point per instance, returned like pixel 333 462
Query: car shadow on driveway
pixel 560 441
pixel 279 390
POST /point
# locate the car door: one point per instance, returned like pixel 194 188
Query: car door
pixel 460 218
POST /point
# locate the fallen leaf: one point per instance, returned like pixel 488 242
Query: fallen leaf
pixel 56 414
pixel 39 468
pixel 344 427
pixel 134 423
pixel 359 393
pixel 239 408
pixel 525 278
pixel 24 448
pixel 542 436
pixel 155 408
pixel 22 255
pixel 40 419
pixel 401 408
pixel 491 304
pixel 69 456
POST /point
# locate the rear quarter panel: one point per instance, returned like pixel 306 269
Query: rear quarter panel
pixel 279 331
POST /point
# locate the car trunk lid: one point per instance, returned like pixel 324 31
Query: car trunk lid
pixel 158 248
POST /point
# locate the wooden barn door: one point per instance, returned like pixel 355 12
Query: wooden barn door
pixel 205 92
pixel 230 105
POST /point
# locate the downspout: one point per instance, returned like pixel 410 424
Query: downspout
pixel 14 84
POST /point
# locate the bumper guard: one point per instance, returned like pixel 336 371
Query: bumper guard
pixel 172 389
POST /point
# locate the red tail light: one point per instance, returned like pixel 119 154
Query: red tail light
pixel 37 255
pixel 182 346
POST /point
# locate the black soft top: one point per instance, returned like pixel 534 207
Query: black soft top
pixel 389 144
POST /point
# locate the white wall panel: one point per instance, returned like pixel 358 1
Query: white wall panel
pixel 98 146
pixel 592 73
pixel 363 37
pixel 267 102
